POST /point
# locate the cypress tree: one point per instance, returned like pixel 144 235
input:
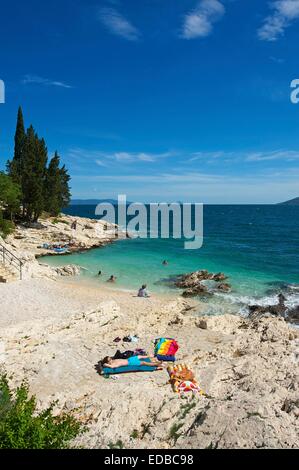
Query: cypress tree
pixel 34 169
pixel 57 190
pixel 65 193
pixel 27 174
pixel 53 186
pixel 15 166
pixel 40 174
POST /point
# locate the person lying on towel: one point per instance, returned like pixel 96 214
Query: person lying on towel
pixel 134 361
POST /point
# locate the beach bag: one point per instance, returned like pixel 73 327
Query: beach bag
pixel 165 349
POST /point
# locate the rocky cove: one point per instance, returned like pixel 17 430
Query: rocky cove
pixel 54 330
pixel 53 236
pixel 248 369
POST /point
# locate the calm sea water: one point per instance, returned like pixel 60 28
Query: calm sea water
pixel 256 246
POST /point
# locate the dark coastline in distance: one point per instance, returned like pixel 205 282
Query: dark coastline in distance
pixel 291 202
pixel 94 202
pixel 90 202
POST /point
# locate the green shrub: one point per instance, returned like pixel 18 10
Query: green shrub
pixel 22 427
pixel 116 445
pixel 134 434
pixel 6 227
pixel 174 431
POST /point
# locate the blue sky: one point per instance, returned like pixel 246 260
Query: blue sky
pixel 158 99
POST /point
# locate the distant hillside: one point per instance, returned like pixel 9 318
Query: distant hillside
pixel 291 202
pixel 90 202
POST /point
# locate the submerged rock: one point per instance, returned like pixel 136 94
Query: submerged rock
pixel 193 283
pixel 219 277
pixel 68 270
pixel 192 279
pixel 224 287
pixel 199 289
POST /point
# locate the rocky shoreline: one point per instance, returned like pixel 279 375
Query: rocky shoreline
pixel 203 284
pixel 31 243
pixel 248 369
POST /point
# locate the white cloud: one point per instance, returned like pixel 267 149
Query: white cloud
pixel 206 156
pixel 101 163
pixel 118 24
pixel 277 60
pixel 199 22
pixel 233 157
pixel 284 13
pixel 105 158
pixel 282 155
pixel 141 156
pixel 35 79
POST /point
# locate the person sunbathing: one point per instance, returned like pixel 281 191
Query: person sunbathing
pixel 143 291
pixel 134 361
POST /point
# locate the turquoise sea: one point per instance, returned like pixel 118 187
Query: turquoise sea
pixel 257 246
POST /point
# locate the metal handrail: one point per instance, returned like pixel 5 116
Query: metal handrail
pixel 13 259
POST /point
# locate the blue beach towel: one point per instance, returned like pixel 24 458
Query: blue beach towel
pixel 126 369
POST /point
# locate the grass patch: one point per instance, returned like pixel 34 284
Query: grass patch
pixel 173 433
pixel 185 409
pixel 117 445
pixel 134 434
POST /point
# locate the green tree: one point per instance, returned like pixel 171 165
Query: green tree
pixel 57 191
pixel 42 188
pixel 34 170
pixel 65 191
pixel 15 166
pixel 40 175
pixel 10 196
pixel 53 186
pixel 6 226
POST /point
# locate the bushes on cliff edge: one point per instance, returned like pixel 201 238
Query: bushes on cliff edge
pixel 22 427
pixel 6 226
